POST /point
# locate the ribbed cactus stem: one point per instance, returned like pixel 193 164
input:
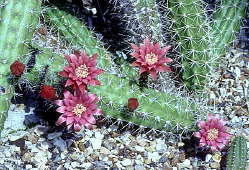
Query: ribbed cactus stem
pixel 18 21
pixel 191 29
pixel 237 154
pixel 77 34
pixel 227 22
pixel 148 17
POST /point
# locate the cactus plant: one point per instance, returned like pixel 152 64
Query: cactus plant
pixel 196 34
pixel 237 154
pixel 164 108
pixel 226 23
pixel 18 21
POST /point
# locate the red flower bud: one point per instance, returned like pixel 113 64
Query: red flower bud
pixel 132 104
pixel 48 92
pixel 17 68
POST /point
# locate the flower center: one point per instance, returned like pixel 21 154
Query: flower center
pixel 79 109
pixel 212 134
pixel 82 71
pixel 151 58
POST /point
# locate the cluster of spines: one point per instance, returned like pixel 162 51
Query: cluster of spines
pixel 237 154
pixel 17 24
pixel 142 18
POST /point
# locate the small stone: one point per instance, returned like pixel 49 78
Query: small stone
pixel 126 162
pixel 185 164
pixel 81 146
pixel 208 157
pixel 54 135
pixel 75 164
pixel 96 143
pixel 31 120
pixel 160 146
pixel 32 138
pixel 154 156
pixel 28 166
pixel 163 159
pixel 40 130
pixel 27 157
pixel 105 151
pixel 139 167
pixel 180 144
pixel 99 135
pixel 60 143
pixel 215 165
pixel 17 135
pixel 217 157
pixel 7 153
pixel 139 149
pixel 86 165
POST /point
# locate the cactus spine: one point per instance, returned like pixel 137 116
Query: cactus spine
pixel 237 154
pixel 18 21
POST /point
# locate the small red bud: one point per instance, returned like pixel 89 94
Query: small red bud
pixel 48 92
pixel 17 68
pixel 132 104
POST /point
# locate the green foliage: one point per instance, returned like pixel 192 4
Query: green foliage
pixel 237 154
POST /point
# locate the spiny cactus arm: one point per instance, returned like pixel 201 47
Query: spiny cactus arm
pixel 77 34
pixel 18 19
pixel 148 17
pixel 154 110
pixel 227 22
pixel 191 28
pixel 237 154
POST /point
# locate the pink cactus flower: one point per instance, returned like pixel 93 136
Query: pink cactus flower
pixel 150 58
pixel 78 110
pixel 213 133
pixel 82 71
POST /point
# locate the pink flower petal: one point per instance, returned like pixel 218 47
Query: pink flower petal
pixel 60 120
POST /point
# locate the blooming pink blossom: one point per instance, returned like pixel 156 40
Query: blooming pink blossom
pixel 213 133
pixel 78 109
pixel 82 71
pixel 150 58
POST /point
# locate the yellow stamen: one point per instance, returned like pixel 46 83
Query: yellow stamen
pixel 82 71
pixel 151 58
pixel 212 134
pixel 79 109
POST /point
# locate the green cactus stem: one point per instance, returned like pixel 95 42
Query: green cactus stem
pixel 191 29
pixel 148 18
pixel 226 24
pixel 77 34
pixel 237 154
pixel 18 21
pixel 202 42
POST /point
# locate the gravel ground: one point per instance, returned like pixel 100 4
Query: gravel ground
pixel 101 148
